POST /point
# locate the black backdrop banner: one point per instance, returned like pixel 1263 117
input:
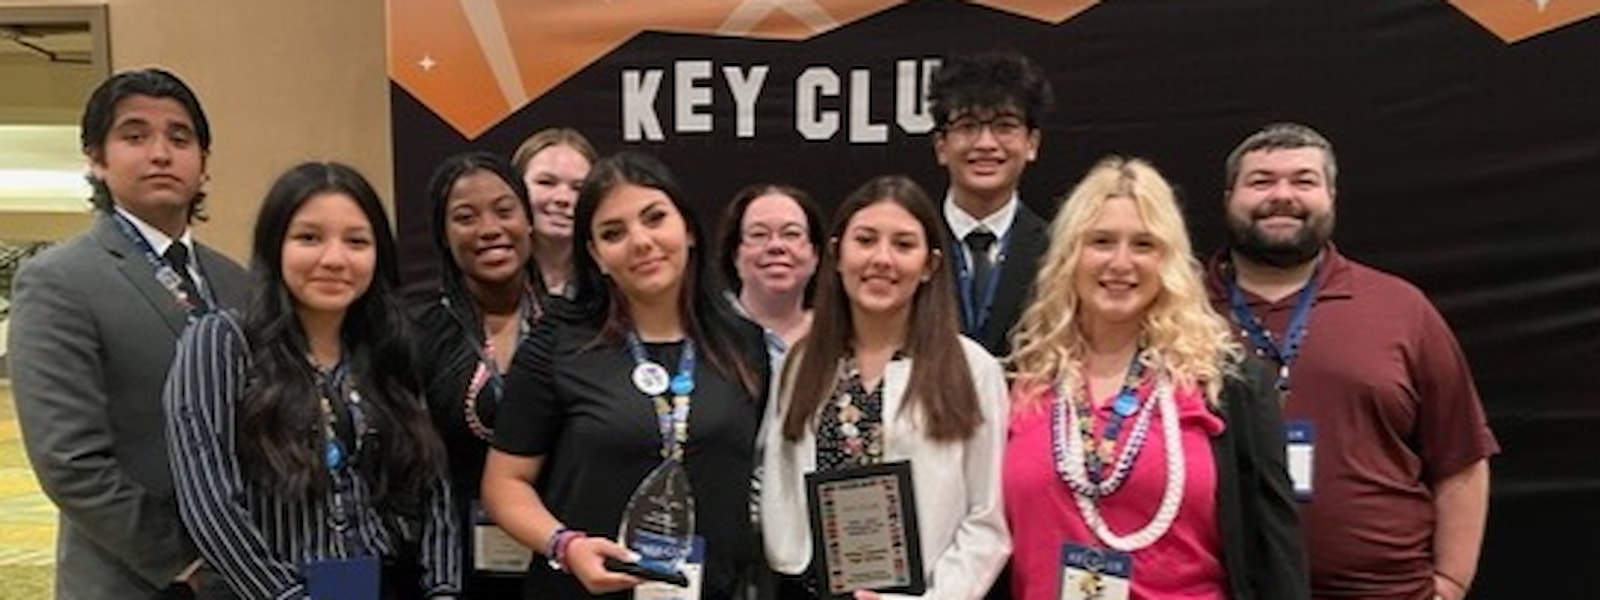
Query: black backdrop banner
pixel 1468 136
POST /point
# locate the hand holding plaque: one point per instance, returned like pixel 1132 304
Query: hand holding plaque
pixel 864 530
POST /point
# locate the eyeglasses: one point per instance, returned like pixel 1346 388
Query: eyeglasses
pixel 1005 128
pixel 789 235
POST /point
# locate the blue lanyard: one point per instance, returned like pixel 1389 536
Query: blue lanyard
pixel 1261 338
pixel 1122 407
pixel 672 420
pixel 336 385
pixel 165 274
pixel 335 456
pixel 973 314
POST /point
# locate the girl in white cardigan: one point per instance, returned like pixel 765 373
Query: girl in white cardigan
pixel 885 377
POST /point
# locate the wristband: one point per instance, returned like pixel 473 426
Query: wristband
pixel 556 546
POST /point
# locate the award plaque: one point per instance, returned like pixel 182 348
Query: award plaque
pixel 658 525
pixel 864 530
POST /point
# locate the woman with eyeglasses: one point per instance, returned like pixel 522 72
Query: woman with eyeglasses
pixel 770 240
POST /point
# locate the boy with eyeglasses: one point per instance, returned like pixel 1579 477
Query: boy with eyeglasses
pixel 987 109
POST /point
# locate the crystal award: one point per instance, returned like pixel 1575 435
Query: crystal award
pixel 658 525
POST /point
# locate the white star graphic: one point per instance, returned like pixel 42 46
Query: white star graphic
pixel 1541 4
pixel 427 63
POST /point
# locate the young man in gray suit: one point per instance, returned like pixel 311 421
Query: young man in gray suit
pixel 94 323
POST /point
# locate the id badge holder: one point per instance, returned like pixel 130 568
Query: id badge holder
pixel 494 552
pixel 1301 437
pixel 1089 573
pixel 693 568
pixel 355 578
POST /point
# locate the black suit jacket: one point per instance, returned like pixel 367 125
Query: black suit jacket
pixel 1029 240
pixel 1263 550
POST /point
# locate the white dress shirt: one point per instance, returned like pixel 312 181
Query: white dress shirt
pixel 160 241
pixel 999 223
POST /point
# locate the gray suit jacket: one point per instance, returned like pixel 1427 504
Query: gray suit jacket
pixel 92 335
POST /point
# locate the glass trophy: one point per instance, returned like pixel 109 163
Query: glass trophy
pixel 658 525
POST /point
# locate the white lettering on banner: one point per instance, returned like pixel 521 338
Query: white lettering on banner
pixel 687 96
pixel 694 105
pixel 745 90
pixel 639 105
pixel 862 129
pixel 808 120
pixel 910 94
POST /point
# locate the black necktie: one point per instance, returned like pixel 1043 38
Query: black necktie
pixel 978 243
pixel 178 257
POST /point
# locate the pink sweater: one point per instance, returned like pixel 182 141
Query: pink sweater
pixel 1184 564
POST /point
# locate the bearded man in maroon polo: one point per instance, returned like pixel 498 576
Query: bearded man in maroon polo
pixel 1388 444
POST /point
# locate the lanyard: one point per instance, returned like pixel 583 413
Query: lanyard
pixel 651 379
pixel 165 274
pixel 486 375
pixel 1080 458
pixel 336 457
pixel 1261 338
pixel 975 311
pixel 1124 405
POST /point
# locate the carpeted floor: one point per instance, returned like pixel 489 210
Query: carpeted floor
pixel 27 519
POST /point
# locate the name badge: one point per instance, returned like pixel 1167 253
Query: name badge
pixel 1089 573
pixel 693 568
pixel 343 578
pixel 493 550
pixel 1302 448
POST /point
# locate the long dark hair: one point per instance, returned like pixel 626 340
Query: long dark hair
pixel 731 232
pixel 707 317
pixel 402 455
pixel 941 384
pixel 444 179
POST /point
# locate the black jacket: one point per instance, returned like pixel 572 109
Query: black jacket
pixel 1262 547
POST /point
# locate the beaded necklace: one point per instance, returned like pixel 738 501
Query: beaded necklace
pixel 486 375
pixel 855 414
pixel 1072 464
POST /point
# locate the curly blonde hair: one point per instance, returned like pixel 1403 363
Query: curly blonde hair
pixel 1181 334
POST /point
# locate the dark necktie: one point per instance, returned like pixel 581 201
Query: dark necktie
pixel 178 257
pixel 978 243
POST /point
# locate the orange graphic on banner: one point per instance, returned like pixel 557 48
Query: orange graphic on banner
pixel 1517 20
pixel 474 62
pixel 1049 11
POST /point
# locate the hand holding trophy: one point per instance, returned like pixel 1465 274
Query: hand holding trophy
pixel 658 522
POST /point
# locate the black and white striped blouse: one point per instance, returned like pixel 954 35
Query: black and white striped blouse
pixel 256 539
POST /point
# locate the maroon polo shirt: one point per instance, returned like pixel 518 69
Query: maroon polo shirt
pixel 1384 382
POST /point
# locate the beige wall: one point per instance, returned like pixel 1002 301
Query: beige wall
pixel 282 81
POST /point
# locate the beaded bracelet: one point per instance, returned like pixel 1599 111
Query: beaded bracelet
pixel 556 546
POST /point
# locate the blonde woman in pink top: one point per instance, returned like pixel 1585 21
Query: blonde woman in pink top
pixel 1145 457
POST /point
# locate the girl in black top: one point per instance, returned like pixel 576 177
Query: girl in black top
pixel 487 303
pixel 576 435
